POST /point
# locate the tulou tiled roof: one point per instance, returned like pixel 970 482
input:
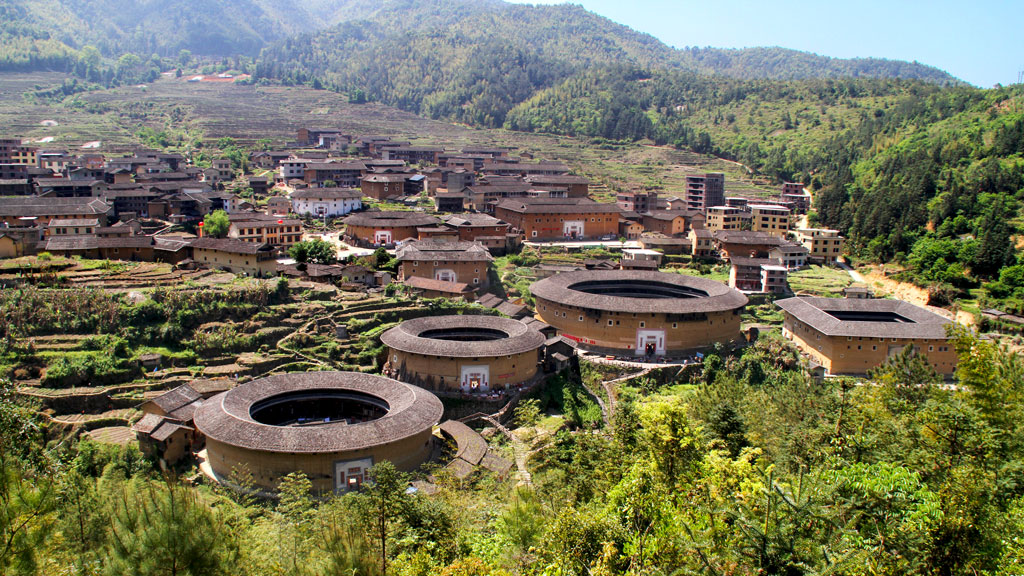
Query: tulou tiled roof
pixel 226 417
pixel 230 245
pixel 388 219
pixel 326 194
pixel 413 336
pixel 427 250
pixel 916 322
pixel 179 403
pixel 708 295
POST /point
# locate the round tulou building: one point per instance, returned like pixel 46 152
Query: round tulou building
pixel 463 353
pixel 640 313
pixel 332 426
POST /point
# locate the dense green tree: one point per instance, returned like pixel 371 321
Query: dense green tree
pixel 164 528
pixel 216 224
pixel 314 251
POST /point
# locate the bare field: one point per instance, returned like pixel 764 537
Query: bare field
pixel 250 113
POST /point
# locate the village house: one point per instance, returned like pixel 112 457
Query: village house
pixel 523 169
pixel 263 229
pixel 702 244
pixel 487 230
pixel 72 227
pixel 640 259
pixel 38 211
pixel 385 228
pixel 455 262
pixel 383 186
pixel 792 255
pixel 576 186
pixel 764 275
pixel 238 256
pixel 770 218
pixel 131 248
pixel 560 219
pixel 333 174
pixel 166 429
pixel 451 202
pixel 852 336
pixel 723 218
pixel 672 222
pixel 412 154
pixel 278 206
pixel 17 242
pixel 639 201
pixel 326 202
pixel 824 245
pixel 630 228
pixel 745 244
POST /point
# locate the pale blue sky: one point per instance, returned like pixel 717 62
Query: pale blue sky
pixel 980 41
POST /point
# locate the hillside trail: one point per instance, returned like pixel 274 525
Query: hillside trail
pixel 878 281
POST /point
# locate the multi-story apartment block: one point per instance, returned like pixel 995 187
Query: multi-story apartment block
pixel 703 192
pixel 770 218
pixel 723 218
pixel 824 245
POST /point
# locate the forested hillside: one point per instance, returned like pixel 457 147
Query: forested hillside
pixel 925 175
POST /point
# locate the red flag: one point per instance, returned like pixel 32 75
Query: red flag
pixel 280 221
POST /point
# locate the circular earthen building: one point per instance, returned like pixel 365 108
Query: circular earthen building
pixel 386 227
pixel 641 313
pixel 332 426
pixel 467 353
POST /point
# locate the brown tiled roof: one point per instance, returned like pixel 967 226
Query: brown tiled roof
pixel 428 250
pixel 384 219
pixel 557 179
pixel 814 312
pixel 179 402
pixel 148 423
pixel 230 245
pixel 226 417
pixel 91 242
pixel 746 237
pixel 754 262
pixel 408 337
pixel 166 429
pixel 57 222
pixel 352 166
pixel 718 298
pixel 472 219
pixel 436 285
pixel 517 205
pixel 49 206
pixel 326 193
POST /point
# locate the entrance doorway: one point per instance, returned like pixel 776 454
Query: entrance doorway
pixel 650 343
pixel 572 229
pixel 350 474
pixel 476 379
pixel 382 237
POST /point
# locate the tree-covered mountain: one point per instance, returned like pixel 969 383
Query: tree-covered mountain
pixel 243 27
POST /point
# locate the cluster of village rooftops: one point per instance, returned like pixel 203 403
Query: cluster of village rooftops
pixel 461 208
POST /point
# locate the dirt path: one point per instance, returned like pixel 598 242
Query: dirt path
pixel 518 449
pixel 916 295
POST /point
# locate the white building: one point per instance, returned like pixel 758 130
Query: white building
pixel 329 202
pixel 293 169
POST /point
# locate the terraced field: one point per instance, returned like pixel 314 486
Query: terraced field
pixel 249 113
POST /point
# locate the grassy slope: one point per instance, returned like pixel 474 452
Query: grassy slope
pixel 250 113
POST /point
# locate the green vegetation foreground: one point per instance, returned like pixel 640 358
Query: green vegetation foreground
pixel 749 469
